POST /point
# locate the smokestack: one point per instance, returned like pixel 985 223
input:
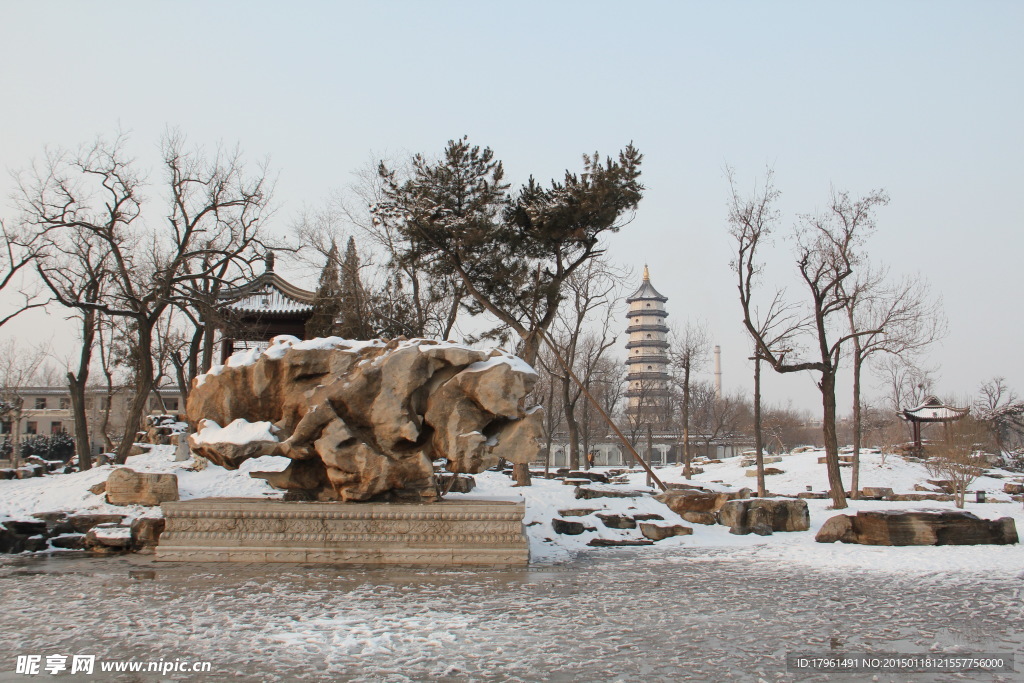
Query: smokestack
pixel 718 371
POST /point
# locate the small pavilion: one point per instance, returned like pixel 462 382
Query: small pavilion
pixel 261 309
pixel 931 410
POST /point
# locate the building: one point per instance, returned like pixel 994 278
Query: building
pixel 261 309
pixel 47 410
pixel 647 392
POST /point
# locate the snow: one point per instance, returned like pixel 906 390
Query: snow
pixel 502 358
pixel 19 498
pixel 545 500
pixel 112 532
pixel 239 431
pixel 280 344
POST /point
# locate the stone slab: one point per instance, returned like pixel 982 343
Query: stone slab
pixel 443 534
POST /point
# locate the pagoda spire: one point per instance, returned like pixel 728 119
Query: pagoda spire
pixel 647 274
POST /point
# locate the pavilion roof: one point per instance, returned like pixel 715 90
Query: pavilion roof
pixel 268 294
pixel 933 410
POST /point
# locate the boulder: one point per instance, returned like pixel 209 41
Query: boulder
pixel 942 484
pixel 837 528
pixel 50 518
pixel 98 489
pixel 699 517
pixel 575 482
pixel 588 474
pixel 25 528
pixel 690 500
pixel 68 541
pixel 82 523
pixel 589 493
pixel 562 526
pixel 125 486
pixel 577 512
pixel 109 537
pixel 876 492
pixel 373 415
pixel 647 516
pixel 777 514
pixel 898 527
pixel 658 532
pixel 699 500
pixel 905 497
pixel 145 532
pixel 812 495
pixel 11 542
pixel 617 542
pixel 455 483
pixel 617 521
pixel 34 544
pixel 1010 487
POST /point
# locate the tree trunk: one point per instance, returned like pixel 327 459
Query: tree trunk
pixel 687 456
pixel 144 385
pixel 82 446
pixel 855 473
pixel 762 489
pixel 16 434
pixel 571 425
pixel 828 400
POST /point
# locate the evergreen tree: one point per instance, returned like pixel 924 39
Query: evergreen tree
pixel 328 300
pixel 354 309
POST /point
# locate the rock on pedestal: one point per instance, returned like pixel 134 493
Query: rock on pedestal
pixel 444 534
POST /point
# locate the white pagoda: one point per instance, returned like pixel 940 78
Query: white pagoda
pixel 647 349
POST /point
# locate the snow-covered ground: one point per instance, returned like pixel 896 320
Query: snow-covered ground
pixel 546 498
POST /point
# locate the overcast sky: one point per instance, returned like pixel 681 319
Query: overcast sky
pixel 923 99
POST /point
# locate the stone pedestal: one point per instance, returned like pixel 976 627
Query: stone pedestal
pixel 444 534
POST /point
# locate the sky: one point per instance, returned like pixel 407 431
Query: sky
pixel 922 99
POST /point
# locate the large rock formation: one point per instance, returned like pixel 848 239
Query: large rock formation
pixel 363 420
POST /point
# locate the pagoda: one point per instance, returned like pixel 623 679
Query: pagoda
pixel 647 353
pixel 261 309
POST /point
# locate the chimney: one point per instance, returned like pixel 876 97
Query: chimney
pixel 718 371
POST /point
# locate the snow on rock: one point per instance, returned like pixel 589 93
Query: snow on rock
pixel 239 432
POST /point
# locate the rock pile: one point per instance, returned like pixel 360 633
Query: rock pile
pixel 365 420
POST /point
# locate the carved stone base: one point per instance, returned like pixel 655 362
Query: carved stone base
pixel 443 534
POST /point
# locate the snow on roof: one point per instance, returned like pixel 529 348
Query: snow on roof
pixel 933 410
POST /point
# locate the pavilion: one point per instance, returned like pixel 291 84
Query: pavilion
pixel 931 410
pixel 261 309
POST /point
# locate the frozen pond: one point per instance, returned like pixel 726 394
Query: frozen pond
pixel 622 615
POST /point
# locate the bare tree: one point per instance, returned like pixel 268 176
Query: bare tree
pixel 827 255
pixel 590 291
pixel 1002 411
pixel 717 418
pixel 18 251
pixel 19 367
pixel 688 354
pixel 214 218
pixel 958 458
pixel 905 383
pixel 899 319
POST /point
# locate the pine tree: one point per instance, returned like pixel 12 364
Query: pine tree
pixel 328 300
pixel 355 319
